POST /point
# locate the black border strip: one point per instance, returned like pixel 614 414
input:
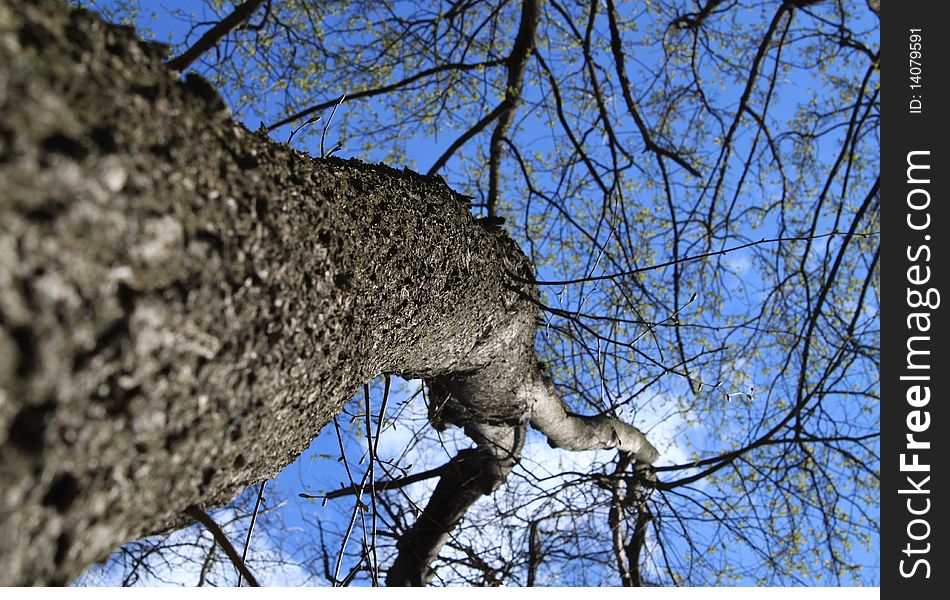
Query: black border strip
pixel 914 267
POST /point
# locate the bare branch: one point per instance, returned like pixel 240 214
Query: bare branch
pixel 213 36
pixel 384 89
pixel 571 431
pixel 223 541
pixel 516 61
pixel 616 46
pixel 468 476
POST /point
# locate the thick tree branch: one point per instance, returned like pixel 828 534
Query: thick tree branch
pixel 628 495
pixel 460 141
pixel 516 62
pixel 695 20
pixel 615 521
pixel 572 431
pixel 223 541
pixel 493 404
pixel 470 475
pixel 211 38
pixel 534 552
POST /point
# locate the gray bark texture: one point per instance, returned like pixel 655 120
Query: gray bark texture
pixel 184 304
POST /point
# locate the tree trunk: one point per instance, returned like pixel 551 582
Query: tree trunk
pixel 184 303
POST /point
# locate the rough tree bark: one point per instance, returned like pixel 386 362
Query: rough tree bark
pixel 185 303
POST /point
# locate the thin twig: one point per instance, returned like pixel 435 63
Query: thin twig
pixel 696 257
pixel 250 530
pixel 374 456
pixel 309 121
pixel 380 486
pixel 370 93
pixel 371 474
pixel 326 126
pixel 356 505
pixel 206 565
